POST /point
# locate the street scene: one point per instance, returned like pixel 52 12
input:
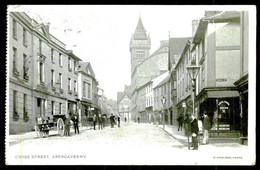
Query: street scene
pixel 123 85
pixel 118 146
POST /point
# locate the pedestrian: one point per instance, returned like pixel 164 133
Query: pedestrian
pixel 67 126
pixel 94 121
pixel 194 132
pixel 112 120
pixel 138 120
pixel 103 121
pixel 125 119
pixel 76 123
pixel 118 119
pixel 99 122
pixel 187 128
pixel 180 121
pixel 206 127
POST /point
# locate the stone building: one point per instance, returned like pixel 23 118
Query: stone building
pixel 163 90
pixel 42 74
pixel 88 91
pixel 124 104
pixel 176 47
pixel 143 65
pixel 141 103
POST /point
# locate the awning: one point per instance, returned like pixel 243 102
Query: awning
pixel 222 94
pixel 216 92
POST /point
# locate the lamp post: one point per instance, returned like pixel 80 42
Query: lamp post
pixel 163 102
pixel 193 71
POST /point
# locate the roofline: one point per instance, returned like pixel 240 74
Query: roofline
pixel 70 53
pixel 183 52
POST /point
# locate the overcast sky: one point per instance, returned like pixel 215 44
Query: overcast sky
pixel 101 34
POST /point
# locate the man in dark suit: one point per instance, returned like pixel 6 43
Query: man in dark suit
pixel 76 123
pixel 118 119
pixel 180 121
pixel 194 133
pixel 206 127
pixel 112 119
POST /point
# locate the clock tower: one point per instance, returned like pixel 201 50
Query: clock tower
pixel 140 45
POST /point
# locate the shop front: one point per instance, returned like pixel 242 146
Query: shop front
pixel 242 86
pixel 222 106
pixel 148 113
pixel 85 112
pixel 72 108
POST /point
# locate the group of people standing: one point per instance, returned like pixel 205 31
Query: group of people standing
pixel 192 129
pixel 67 123
pixel 113 120
pixel 98 119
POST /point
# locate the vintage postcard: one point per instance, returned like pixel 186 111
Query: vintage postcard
pixel 130 85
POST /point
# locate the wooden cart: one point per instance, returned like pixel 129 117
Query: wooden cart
pixel 44 125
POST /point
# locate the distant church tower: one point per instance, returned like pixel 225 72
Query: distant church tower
pixel 140 45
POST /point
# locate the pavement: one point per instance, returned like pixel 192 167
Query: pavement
pixel 215 142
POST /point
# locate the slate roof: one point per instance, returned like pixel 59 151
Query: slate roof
pixel 166 79
pixel 176 47
pixel 121 95
pixel 83 66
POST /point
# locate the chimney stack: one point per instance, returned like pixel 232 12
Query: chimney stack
pixel 48 26
pixel 195 24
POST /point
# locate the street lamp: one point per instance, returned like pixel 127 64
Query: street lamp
pixel 193 71
pixel 163 102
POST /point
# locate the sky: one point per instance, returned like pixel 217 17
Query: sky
pixel 101 34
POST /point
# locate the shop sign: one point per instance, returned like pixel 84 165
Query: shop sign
pixel 221 80
pixel 222 102
pixel 183 104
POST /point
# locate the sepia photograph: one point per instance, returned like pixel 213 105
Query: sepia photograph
pixel 130 85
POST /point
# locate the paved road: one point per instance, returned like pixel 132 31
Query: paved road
pixel 131 144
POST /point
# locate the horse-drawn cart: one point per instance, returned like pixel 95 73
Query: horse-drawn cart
pixel 43 126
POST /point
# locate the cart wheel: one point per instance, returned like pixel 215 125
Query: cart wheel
pixel 38 132
pixel 60 127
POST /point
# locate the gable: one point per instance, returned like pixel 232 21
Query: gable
pixel 43 30
pixel 125 99
pixel 89 70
